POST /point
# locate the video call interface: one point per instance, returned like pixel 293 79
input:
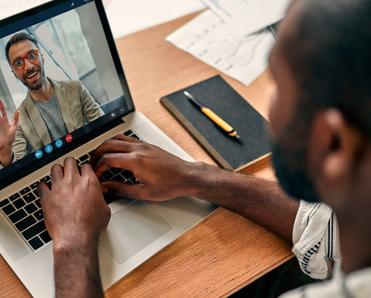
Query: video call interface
pixel 66 59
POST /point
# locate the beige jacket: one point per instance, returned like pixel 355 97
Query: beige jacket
pixel 77 107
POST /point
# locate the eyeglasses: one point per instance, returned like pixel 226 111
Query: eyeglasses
pixel 32 57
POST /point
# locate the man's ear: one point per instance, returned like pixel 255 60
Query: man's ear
pixel 332 153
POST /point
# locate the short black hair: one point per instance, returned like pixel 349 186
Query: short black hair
pixel 328 50
pixel 16 38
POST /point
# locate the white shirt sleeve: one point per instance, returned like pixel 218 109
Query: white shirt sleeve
pixel 315 239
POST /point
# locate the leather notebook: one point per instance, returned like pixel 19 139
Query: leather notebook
pixel 222 99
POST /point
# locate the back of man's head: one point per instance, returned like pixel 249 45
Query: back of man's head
pixel 322 141
pixel 329 51
pixel 19 37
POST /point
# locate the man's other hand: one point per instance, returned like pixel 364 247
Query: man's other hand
pixel 8 131
pixel 162 175
pixel 74 209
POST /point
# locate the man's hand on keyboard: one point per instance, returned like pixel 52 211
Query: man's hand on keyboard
pixel 162 175
pixel 74 208
pixel 75 215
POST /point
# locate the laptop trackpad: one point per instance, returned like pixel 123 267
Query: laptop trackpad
pixel 131 229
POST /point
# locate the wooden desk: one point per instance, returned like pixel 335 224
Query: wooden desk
pixel 223 253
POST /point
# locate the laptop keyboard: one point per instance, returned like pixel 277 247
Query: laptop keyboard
pixel 23 209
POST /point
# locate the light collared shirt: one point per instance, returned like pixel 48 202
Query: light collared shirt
pixel 316 246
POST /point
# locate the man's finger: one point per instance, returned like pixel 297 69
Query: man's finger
pixel 57 173
pixel 16 119
pixel 70 168
pixel 43 191
pixel 122 137
pixel 112 146
pixel 3 111
pixel 136 191
pixel 114 160
pixel 87 170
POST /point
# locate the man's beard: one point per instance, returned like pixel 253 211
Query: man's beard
pixel 289 163
pixel 36 86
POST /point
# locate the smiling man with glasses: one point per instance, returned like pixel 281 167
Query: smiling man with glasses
pixel 32 57
pixel 51 108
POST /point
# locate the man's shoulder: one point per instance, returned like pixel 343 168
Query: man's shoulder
pixel 67 84
pixel 63 83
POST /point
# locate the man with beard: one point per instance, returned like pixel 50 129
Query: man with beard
pixel 320 122
pixel 51 109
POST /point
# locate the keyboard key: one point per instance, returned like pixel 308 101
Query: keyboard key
pixel 36 243
pixel 45 179
pixel 25 223
pixel 25 190
pixel 4 202
pixel 30 208
pixel 39 215
pixel 128 133
pixel 8 209
pixel 34 230
pixel 45 237
pixel 83 162
pixel 107 175
pixel 135 136
pixel 15 196
pixel 17 216
pixel 132 180
pixel 29 197
pixel 38 203
pixel 84 158
pixel 34 185
pixel 119 178
pixel 19 203
pixel 127 174
pixel 115 171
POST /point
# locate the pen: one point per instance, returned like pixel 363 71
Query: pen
pixel 212 116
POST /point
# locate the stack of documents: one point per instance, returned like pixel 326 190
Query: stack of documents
pixel 248 16
pixel 232 36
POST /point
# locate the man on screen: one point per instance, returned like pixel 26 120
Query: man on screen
pixel 51 108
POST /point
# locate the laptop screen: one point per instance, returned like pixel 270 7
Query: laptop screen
pixel 61 84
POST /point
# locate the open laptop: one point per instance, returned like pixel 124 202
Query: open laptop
pixel 76 45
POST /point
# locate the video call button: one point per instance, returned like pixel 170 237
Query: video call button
pixel 38 154
pixel 49 149
pixel 68 138
pixel 58 143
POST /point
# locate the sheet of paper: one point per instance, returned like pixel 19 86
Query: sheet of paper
pixel 248 16
pixel 127 16
pixel 11 7
pixel 213 42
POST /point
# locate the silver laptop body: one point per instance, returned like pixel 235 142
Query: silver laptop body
pixel 137 230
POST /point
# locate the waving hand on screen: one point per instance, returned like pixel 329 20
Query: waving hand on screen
pixel 8 130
